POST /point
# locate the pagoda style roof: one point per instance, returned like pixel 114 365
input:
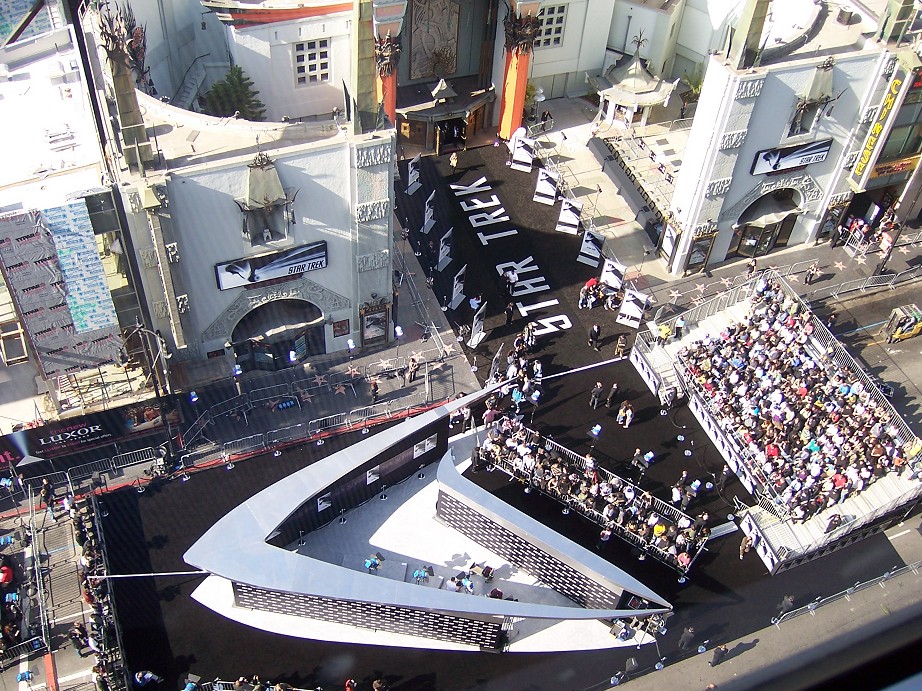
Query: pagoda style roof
pixel 632 84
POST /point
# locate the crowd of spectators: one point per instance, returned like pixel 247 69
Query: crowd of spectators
pixel 816 432
pixel 612 502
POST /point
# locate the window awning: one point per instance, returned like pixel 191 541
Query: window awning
pixel 768 211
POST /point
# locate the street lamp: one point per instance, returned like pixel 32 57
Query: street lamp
pixel 398 334
pixel 539 98
pixel 146 334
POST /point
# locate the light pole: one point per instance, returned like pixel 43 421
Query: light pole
pixel 144 335
pixel 398 333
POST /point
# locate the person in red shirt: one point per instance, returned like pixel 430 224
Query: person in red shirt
pixel 6 576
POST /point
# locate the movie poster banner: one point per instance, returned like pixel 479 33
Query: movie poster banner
pixel 287 264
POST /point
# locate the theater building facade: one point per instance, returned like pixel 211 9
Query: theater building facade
pixel 779 155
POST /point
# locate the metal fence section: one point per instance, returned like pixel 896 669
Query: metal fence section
pixel 846 594
pixel 230 405
pixel 286 435
pixel 239 447
pixel 22 650
pixel 82 472
pixel 212 452
pixel 123 460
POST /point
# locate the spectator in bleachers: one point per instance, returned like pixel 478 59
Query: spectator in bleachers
pixel 815 433
pixel 615 504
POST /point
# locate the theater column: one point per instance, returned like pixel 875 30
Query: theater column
pixel 521 26
pixel 388 21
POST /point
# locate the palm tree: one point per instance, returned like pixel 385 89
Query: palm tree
pixel 235 95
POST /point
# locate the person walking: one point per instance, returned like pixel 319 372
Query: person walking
pixel 787 604
pixel 751 268
pixel 604 537
pixel 412 368
pixel 678 328
pixel 510 312
pixel 745 546
pixel 595 337
pixel 620 345
pixel 720 652
pixel 595 395
pixel 835 235
pixel 725 474
pixel 612 395
pixel 688 635
pixel 374 391
pixel 812 272
pixel 453 162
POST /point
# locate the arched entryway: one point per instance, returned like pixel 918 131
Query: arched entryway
pixel 765 224
pixel 278 334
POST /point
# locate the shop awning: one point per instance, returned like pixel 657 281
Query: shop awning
pixel 768 211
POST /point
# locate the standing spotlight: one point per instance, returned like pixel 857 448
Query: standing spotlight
pixel 420 475
pixel 300 538
pixel 230 465
pixel 184 477
pixel 383 495
pixel 342 516
pixel 320 442
pixel 193 397
pixel 276 453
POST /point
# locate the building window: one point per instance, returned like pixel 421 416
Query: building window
pixel 312 61
pixel 553 19
pixel 12 343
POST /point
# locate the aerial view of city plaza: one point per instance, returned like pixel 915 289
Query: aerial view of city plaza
pixel 460 344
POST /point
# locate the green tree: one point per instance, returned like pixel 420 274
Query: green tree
pixel 235 94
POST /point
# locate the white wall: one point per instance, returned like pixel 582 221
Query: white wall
pixel 266 54
pixel 208 223
pixel 175 38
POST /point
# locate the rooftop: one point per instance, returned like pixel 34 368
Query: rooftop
pixel 186 138
pixel 56 152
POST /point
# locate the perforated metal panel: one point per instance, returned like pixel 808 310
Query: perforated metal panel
pixel 369 615
pixel 566 580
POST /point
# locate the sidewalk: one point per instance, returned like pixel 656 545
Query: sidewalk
pixel 807 649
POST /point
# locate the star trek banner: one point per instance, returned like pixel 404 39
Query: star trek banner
pixel 268 267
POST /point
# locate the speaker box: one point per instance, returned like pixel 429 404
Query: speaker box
pixel 631 666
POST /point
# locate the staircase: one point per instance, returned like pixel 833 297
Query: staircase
pixel 190 86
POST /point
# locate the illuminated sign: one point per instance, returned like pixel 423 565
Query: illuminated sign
pixel 900 165
pixel 788 157
pixel 287 264
pixel 903 77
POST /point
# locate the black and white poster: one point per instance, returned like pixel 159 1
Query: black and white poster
pixel 445 250
pixel 429 218
pixel 413 183
pixel 632 308
pixel 613 274
pixel 590 252
pixel 457 289
pixel 788 157
pixel 546 187
pixel 568 222
pixel 477 332
pixel 286 264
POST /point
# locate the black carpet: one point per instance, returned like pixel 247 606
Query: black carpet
pixel 725 598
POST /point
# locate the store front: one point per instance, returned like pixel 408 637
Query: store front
pixel 277 335
pixel 767 223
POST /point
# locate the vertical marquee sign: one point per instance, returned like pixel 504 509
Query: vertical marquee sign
pixel 906 66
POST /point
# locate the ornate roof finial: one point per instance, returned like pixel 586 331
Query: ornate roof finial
pixel 639 41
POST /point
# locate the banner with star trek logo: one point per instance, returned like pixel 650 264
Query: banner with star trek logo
pixel 287 264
